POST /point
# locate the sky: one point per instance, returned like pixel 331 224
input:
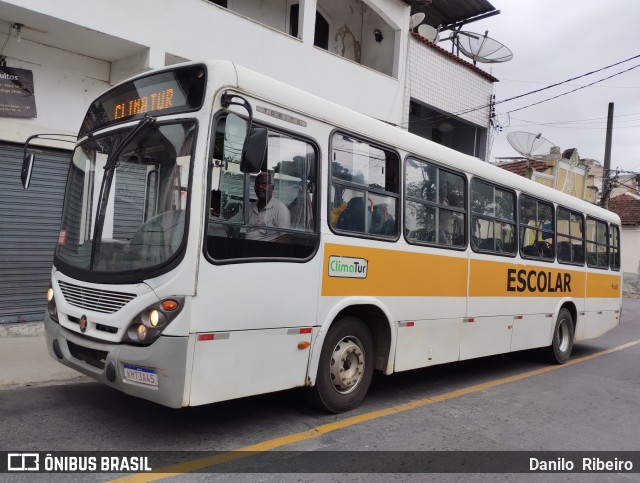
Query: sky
pixel 556 40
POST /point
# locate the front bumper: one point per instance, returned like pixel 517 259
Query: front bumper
pixel 104 362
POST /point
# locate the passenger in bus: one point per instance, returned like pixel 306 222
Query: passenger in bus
pixel 353 216
pixel 446 221
pixel 382 223
pixel 266 211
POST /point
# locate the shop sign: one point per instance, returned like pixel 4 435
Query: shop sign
pixel 17 97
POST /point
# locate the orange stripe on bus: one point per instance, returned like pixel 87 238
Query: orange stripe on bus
pixel 396 273
pixel 399 273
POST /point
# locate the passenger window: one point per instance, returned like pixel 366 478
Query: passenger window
pixel 570 237
pixel 537 228
pixel 435 211
pixel 597 244
pixel 614 247
pixel 493 221
pixel 270 214
pixel 364 188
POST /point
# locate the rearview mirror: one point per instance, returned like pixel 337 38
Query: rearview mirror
pixel 27 168
pixel 29 158
pixel 254 154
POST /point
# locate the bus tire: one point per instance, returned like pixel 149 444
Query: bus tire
pixel 346 366
pixel 562 342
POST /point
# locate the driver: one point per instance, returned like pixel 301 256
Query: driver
pixel 266 211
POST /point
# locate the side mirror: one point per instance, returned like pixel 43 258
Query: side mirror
pixel 27 168
pixel 254 154
pixel 29 158
pixel 254 149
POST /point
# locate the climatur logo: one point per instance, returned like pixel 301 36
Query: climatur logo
pixel 347 267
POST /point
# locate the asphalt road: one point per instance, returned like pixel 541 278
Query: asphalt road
pixel 503 404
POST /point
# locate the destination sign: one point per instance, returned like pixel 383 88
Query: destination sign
pixel 166 92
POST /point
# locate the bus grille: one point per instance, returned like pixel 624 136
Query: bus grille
pixel 93 299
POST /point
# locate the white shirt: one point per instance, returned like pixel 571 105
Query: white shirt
pixel 274 214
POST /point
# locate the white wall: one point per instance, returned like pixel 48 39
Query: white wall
pixel 65 82
pixel 446 84
pixel 64 85
pixel 630 241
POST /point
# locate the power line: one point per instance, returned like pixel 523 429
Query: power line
pixel 570 85
pixel 588 120
pixel 491 104
pixel 574 90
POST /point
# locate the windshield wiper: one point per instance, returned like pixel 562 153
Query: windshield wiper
pixel 105 188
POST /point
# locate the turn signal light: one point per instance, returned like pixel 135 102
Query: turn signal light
pixel 169 305
pixel 49 294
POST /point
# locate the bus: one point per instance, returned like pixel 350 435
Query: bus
pixel 226 235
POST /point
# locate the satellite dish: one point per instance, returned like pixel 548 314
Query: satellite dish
pixel 533 146
pixel 428 32
pixel 416 19
pixel 481 48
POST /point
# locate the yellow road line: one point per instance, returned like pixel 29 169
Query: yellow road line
pixel 247 451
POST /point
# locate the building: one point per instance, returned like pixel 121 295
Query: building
pixel 627 207
pixel 564 171
pixel 363 54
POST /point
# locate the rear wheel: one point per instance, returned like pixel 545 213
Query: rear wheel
pixel 346 364
pixel 562 343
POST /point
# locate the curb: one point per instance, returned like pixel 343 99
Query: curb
pixel 28 329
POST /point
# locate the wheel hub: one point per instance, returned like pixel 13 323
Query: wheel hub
pixel 347 364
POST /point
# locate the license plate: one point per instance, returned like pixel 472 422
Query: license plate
pixel 142 375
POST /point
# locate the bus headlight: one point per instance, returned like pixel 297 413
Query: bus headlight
pixel 52 308
pixel 147 326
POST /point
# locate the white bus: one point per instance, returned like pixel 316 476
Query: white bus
pixel 183 277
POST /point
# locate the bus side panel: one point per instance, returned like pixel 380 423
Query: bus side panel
pixel 533 330
pixel 423 287
pixel 602 305
pixel 527 295
pixel 429 342
pixel 594 324
pixel 230 365
pixel 485 336
pixel 255 314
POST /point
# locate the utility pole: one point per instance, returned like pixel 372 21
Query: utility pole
pixel 606 181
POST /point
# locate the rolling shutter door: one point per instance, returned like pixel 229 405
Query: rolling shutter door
pixel 29 226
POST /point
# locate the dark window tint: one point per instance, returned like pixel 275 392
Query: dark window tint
pixel 537 228
pixel 614 247
pixel 493 222
pixel 597 243
pixel 570 237
pixel 364 188
pixel 435 210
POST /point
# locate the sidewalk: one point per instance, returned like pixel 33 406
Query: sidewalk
pixel 25 360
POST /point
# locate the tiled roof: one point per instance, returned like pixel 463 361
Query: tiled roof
pixel 627 208
pixel 520 167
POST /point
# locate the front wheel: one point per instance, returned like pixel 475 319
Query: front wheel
pixel 562 343
pixel 346 366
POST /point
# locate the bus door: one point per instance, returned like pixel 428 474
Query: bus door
pixel 259 282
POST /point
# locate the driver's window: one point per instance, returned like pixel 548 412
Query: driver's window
pixel 266 214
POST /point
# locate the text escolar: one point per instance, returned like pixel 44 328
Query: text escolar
pixel 537 281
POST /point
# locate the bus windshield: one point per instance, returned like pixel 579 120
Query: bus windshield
pixel 141 224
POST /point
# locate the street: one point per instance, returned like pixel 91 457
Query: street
pixel 514 402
